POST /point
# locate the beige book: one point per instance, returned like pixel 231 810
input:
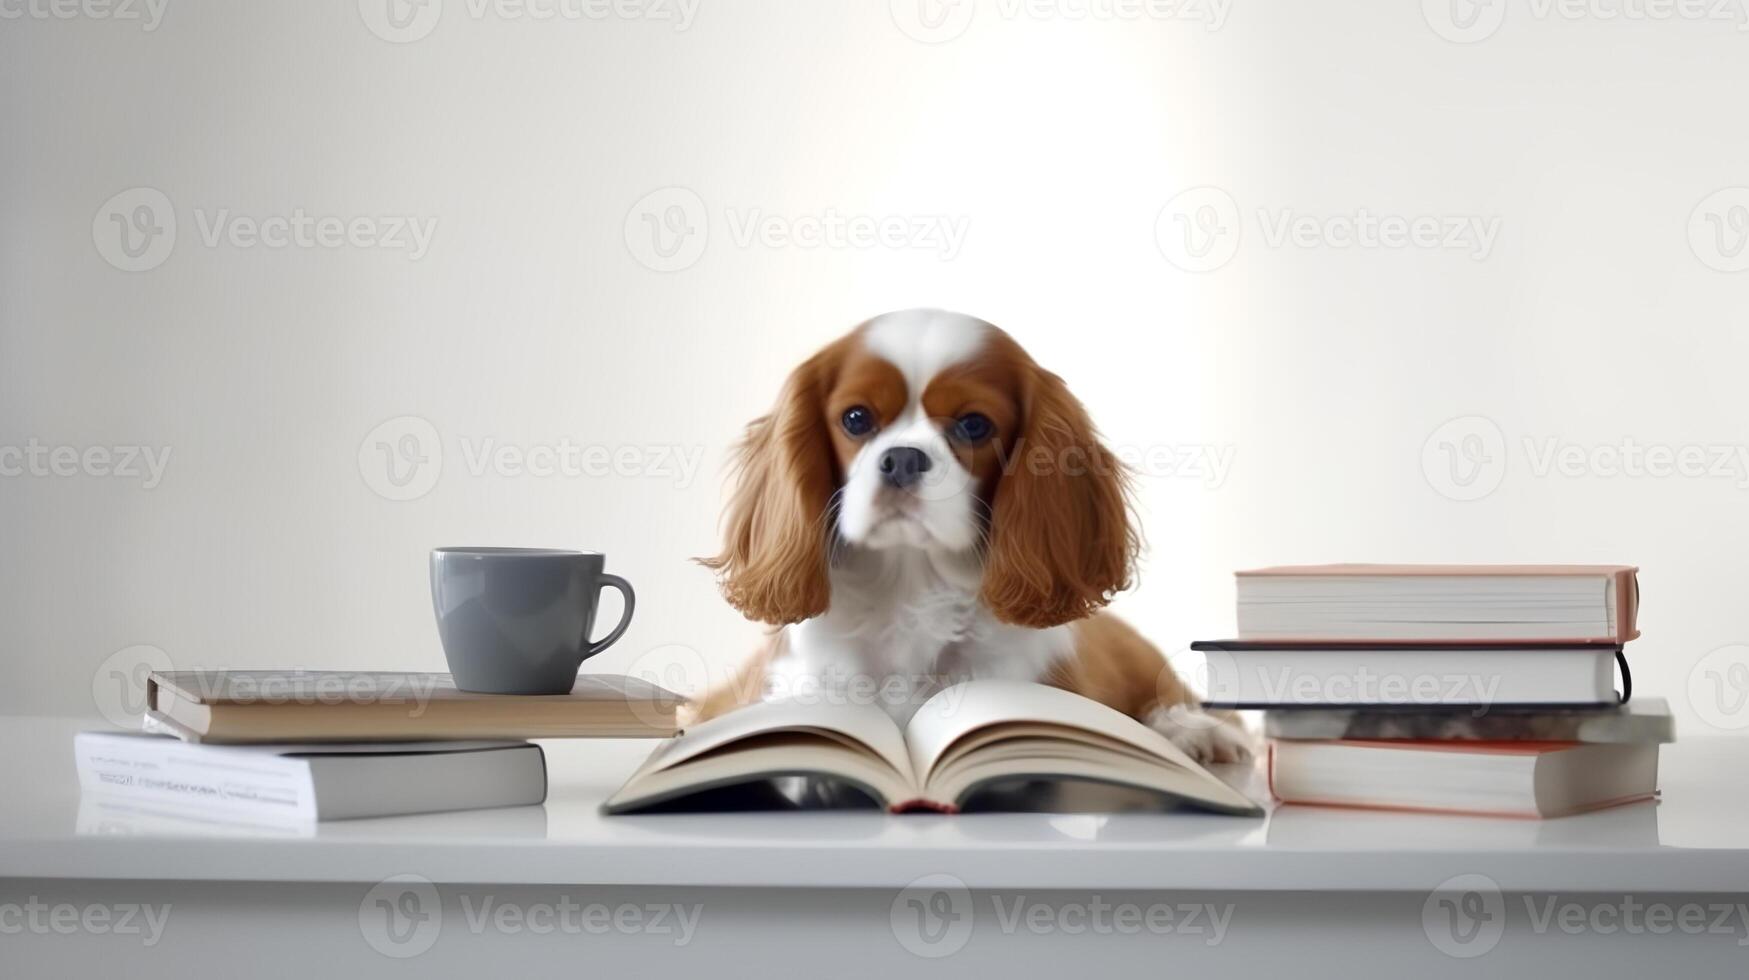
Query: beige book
pixel 970 736
pixel 358 706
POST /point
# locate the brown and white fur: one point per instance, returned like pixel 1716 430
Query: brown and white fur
pixel 901 545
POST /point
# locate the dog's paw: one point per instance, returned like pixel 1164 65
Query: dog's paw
pixel 1202 736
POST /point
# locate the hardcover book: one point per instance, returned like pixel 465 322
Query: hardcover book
pixel 1476 603
pixel 1271 674
pixel 1510 779
pixel 366 706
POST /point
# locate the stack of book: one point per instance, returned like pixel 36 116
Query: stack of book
pixel 281 750
pixel 1475 689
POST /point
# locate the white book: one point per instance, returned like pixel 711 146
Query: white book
pixel 1244 674
pixel 969 737
pixel 1474 603
pixel 1519 779
pixel 286 783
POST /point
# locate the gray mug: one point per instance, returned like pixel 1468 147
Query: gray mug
pixel 518 620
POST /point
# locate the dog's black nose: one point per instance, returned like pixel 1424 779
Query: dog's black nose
pixel 902 466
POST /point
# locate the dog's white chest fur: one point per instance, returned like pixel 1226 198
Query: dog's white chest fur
pixel 902 625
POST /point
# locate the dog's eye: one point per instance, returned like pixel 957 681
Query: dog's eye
pixel 972 428
pixel 857 422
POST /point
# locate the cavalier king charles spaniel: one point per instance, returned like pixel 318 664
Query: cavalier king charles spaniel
pixel 924 505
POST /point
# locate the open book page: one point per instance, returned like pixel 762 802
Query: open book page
pixel 856 742
pixel 990 729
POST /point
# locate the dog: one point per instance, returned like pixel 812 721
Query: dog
pixel 925 504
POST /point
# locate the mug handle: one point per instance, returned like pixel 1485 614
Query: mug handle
pixel 625 615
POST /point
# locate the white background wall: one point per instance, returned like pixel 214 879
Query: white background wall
pixel 1591 317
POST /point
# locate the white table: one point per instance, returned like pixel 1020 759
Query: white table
pixel 1305 892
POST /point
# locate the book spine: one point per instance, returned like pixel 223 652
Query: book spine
pixel 922 806
pixel 1627 605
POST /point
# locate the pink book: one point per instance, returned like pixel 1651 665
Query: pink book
pixel 1494 604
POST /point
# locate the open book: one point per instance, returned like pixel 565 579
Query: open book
pixel 968 737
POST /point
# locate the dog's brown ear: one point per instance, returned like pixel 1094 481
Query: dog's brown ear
pixel 773 566
pixel 1061 539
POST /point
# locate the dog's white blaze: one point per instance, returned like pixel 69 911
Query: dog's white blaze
pixel 923 343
